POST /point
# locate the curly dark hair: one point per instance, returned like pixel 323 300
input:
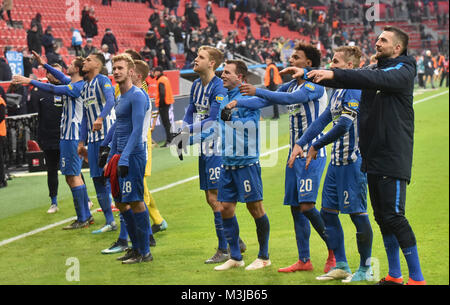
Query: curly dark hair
pixel 311 53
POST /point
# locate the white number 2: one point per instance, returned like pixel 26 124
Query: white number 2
pixel 346 197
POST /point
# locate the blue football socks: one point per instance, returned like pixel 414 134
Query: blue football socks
pixel 335 234
pixel 130 223
pixel 302 233
pixel 364 237
pixel 78 198
pixel 231 232
pixel 142 230
pixel 412 259
pixel 123 234
pixel 220 231
pixel 263 232
pixel 54 200
pixel 103 190
pixel 317 222
pixel 392 251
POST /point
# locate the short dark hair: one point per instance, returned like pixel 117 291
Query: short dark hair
pixel 134 54
pixel 100 57
pixel 241 67
pixel 311 53
pixel 399 34
pixel 79 64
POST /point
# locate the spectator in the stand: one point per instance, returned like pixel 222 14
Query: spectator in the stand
pixel 77 41
pixel 27 62
pixel 232 11
pixel 265 31
pixel 37 21
pixel 56 58
pixel 151 40
pixel 34 40
pixel 208 10
pixel 7 6
pixel 107 2
pixel 108 57
pixel 89 22
pixel 110 40
pixel 178 36
pixel 191 15
pixel 48 40
pixel 88 48
pixel 5 69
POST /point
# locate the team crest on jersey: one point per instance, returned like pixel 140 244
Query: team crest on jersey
pixel 70 86
pixel 219 98
pixel 107 86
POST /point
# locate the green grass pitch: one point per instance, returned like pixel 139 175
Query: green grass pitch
pixel 41 258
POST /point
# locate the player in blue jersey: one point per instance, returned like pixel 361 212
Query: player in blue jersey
pixel 129 150
pixel 305 102
pixel 207 92
pixel 138 78
pixel 98 99
pixel 70 162
pixel 240 177
pixel 345 186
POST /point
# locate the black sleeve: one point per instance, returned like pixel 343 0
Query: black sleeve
pixel 162 94
pixel 2 112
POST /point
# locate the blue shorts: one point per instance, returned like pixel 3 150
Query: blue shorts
pixel 345 188
pixel 70 161
pixel 209 171
pixel 302 185
pixel 93 154
pixel 241 184
pixel 132 185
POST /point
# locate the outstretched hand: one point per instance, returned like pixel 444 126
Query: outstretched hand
pixel 247 89
pixel 38 58
pixel 294 71
pixel 320 75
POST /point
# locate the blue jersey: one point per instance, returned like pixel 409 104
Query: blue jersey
pixel 98 99
pixel 240 136
pixel 72 113
pixel 305 103
pixel 204 102
pixel 131 108
pixel 345 103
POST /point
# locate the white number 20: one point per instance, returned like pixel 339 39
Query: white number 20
pixel 305 185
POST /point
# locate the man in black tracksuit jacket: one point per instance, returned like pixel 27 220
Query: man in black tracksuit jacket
pixel 386 134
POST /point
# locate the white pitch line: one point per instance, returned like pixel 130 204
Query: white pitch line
pixel 168 186
pixel 163 188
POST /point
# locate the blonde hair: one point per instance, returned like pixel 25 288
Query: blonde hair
pixel 142 68
pixel 351 53
pixel 215 55
pixel 125 57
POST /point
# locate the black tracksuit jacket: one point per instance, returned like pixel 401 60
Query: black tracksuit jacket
pixel 386 122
